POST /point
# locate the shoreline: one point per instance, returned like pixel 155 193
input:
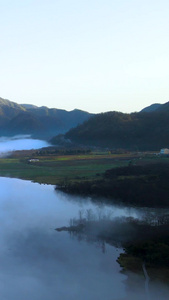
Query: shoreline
pixel 127 260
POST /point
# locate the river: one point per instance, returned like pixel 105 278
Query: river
pixel 39 263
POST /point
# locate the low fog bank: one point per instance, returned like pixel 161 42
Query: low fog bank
pixel 129 233
pixel 40 263
pixel 20 142
pixel 135 289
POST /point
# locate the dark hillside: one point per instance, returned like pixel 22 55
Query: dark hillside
pixel 163 107
pixel 136 131
pixel 151 108
pixel 145 186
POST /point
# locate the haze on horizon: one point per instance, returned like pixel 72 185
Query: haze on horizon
pixel 92 55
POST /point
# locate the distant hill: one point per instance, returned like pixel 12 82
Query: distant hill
pixel 163 107
pixel 40 122
pixel 152 107
pixel 146 130
pixel 156 107
pixel 135 131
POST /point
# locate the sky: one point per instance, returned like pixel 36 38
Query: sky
pixel 94 55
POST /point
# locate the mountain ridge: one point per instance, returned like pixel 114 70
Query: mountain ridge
pixel 151 107
pixel 42 122
pixel 144 130
pixel 140 131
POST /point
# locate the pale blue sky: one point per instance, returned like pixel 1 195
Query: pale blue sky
pixel 93 55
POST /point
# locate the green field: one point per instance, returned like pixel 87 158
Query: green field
pixel 54 169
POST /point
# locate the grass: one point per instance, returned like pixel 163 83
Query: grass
pixel 54 169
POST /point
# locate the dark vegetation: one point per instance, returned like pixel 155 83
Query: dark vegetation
pixel 149 246
pixel 136 131
pixel 152 107
pixel 145 241
pixel 62 151
pixel 141 185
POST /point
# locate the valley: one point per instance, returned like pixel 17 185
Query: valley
pixel 111 160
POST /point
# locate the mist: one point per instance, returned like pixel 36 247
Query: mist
pixel 20 142
pixel 39 263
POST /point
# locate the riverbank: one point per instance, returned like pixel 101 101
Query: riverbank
pixel 146 247
pixel 54 166
pixel 139 185
pixel 133 176
pixel 139 179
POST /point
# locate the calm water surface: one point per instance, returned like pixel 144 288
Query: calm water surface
pixel 39 263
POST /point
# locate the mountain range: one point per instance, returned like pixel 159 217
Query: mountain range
pixel 42 122
pixel 145 130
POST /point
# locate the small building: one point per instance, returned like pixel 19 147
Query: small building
pixel 33 160
pixel 164 151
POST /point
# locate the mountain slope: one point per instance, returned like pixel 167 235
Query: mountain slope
pixel 24 123
pixel 136 131
pixel 152 107
pixel 39 121
pixel 9 109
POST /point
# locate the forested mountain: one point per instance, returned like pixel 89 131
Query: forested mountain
pixel 146 130
pixel 41 122
pixel 135 131
pixel 151 108
pixel 156 107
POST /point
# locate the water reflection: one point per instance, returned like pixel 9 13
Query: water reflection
pixel 63 268
pixel 39 263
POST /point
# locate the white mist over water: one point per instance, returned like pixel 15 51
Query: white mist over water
pixel 38 263
pixel 20 142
